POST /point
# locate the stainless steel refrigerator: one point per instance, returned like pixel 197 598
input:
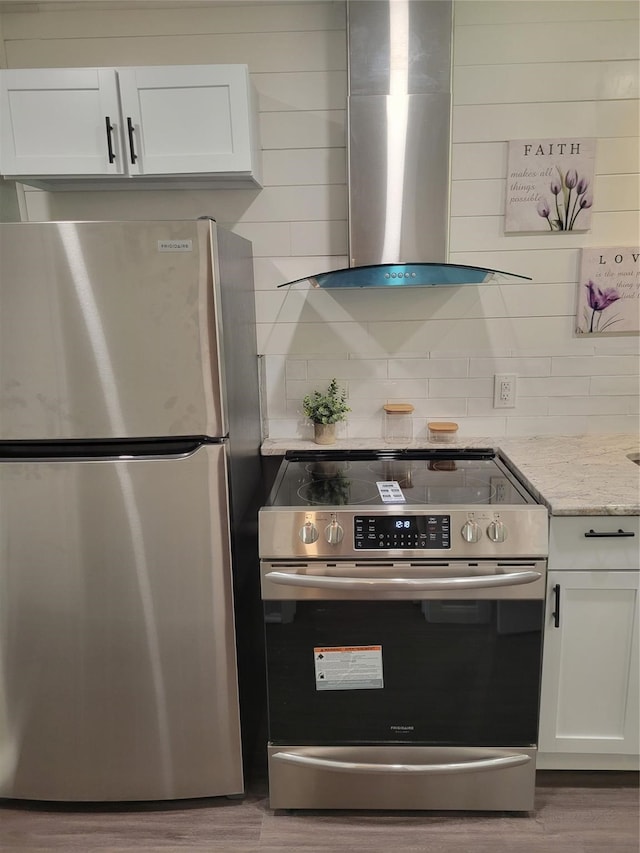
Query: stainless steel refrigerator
pixel 129 464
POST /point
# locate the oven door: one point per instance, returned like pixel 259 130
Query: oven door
pixel 425 670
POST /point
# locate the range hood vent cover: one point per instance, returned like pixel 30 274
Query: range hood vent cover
pixel 403 275
pixel 398 147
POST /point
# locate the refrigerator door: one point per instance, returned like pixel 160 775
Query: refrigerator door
pixel 109 329
pixel 117 654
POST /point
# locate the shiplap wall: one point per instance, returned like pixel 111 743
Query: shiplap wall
pixel 521 69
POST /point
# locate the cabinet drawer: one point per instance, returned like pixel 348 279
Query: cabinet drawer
pixel 595 542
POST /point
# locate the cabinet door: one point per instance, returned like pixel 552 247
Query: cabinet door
pixel 59 121
pixel 187 119
pixel 589 700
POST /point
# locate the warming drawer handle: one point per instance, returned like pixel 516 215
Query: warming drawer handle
pixel 390 584
pixel 593 534
pixel 498 763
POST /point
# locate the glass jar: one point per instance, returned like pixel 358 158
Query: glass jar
pixel 398 423
pixel 442 431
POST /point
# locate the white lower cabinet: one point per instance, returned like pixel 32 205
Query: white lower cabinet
pixel 590 685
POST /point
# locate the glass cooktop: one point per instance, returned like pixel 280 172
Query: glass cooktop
pixel 377 478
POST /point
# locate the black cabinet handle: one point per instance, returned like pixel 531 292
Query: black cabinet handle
pixel 132 149
pixel 556 613
pixel 613 535
pixel 109 126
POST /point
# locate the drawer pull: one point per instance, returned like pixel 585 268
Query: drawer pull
pixel 400 584
pixel 592 534
pixel 497 763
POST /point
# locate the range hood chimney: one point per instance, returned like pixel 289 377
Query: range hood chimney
pixel 398 147
pixel 399 117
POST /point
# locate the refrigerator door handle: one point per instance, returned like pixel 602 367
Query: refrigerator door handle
pixel 112 450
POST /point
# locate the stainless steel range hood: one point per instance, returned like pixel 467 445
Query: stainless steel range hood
pixel 398 146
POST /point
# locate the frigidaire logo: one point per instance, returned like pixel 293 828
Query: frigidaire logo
pixel 402 728
pixel 175 245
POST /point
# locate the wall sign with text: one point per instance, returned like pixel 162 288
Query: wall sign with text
pixel 550 185
pixel 609 291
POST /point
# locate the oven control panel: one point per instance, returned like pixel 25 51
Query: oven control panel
pixel 381 532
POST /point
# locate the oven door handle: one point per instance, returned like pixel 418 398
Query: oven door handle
pixel 498 763
pixel 390 584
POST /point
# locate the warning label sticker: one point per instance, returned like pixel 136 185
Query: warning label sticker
pixel 348 667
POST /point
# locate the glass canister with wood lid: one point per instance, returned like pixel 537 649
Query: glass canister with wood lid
pixel 398 423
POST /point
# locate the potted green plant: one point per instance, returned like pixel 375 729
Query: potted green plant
pixel 324 410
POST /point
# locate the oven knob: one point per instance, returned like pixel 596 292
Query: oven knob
pixel 496 531
pixel 333 533
pixel 471 531
pixel 308 533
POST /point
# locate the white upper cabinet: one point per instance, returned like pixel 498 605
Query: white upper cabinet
pixel 54 122
pixel 154 126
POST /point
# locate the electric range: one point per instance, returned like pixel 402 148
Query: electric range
pixel 403 596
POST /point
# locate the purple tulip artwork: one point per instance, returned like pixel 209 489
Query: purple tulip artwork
pixel 549 185
pixel 599 300
pixel 569 206
pixel 609 291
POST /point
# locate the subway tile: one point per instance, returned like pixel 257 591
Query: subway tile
pixel 401 368
pixel 287 428
pixel 490 427
pixel 525 407
pixel 298 339
pixel 553 386
pixel 479 387
pixel 435 408
pixel 390 389
pixel 547 426
pixel 612 424
pixel 295 369
pixel 363 368
pixel 613 385
pixel 589 405
pixel 608 365
pixel 531 366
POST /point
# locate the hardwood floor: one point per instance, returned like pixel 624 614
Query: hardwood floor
pixel 576 812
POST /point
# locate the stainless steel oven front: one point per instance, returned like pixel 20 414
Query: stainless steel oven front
pixel 403 684
pixel 397 680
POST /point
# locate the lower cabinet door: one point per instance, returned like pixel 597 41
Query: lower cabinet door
pixel 589 700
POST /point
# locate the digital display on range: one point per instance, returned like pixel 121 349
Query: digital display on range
pixel 376 532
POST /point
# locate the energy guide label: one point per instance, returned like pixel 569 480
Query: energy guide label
pixel 348 667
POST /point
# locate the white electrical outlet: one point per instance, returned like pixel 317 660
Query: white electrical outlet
pixel 504 391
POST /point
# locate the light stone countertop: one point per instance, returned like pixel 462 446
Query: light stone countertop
pixel 571 474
